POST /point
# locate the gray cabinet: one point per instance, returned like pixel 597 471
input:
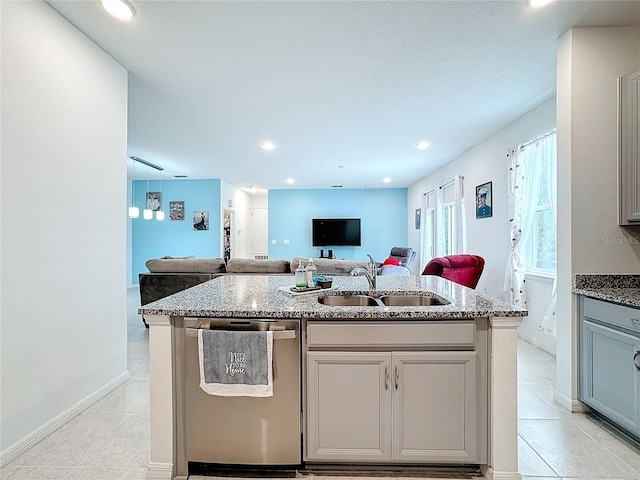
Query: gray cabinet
pixel 629 149
pixel 610 362
pixel 392 405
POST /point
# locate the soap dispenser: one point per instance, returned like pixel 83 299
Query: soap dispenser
pixel 301 275
pixel 311 272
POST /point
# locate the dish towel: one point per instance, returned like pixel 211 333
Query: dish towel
pixel 236 363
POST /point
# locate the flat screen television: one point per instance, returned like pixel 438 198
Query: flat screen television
pixel 336 232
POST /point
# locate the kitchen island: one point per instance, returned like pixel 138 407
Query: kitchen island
pixel 476 330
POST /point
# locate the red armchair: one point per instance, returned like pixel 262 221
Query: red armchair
pixel 463 269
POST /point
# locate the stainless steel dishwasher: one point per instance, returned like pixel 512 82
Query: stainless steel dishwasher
pixel 243 431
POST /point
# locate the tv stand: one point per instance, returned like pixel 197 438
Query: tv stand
pixel 330 255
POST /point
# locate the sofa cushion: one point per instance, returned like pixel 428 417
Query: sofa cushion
pixel 250 265
pixel 186 265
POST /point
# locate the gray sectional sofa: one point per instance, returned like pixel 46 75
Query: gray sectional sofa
pixel 169 275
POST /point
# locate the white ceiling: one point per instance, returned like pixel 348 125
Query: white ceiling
pixel 344 88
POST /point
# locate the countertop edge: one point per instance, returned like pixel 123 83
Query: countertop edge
pixel 617 296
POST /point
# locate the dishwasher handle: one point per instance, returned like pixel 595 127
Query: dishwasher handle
pixel 277 334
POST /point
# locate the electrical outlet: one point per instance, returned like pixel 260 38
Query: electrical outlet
pixel 286 242
pixel 273 242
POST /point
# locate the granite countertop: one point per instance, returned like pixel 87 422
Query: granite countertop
pixel 260 297
pixel 620 289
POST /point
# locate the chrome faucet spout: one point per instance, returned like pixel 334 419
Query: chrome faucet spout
pixel 369 272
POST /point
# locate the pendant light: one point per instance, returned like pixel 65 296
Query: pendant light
pixel 147 213
pixel 160 213
pixel 134 212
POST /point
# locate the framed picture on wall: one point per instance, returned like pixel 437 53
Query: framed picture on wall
pixel 418 215
pixel 154 200
pixel 200 220
pixel 484 200
pixel 176 210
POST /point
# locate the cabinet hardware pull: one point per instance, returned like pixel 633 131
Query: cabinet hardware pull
pixel 397 376
pixel 635 360
pixel 636 321
pixel 386 378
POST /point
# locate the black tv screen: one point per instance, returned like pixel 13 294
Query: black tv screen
pixel 336 232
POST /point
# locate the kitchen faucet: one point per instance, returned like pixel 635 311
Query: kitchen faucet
pixel 370 272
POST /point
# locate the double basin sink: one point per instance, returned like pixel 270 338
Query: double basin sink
pixel 385 300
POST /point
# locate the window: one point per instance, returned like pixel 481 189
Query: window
pixel 541 248
pixel 428 228
pixel 442 231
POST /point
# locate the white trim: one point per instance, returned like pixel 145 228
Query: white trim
pixel 161 471
pixel 573 406
pixel 160 320
pixel 542 346
pixel 21 446
pixel 547 276
pixel 490 474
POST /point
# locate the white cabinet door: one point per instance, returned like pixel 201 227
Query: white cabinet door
pixel 434 407
pixel 349 404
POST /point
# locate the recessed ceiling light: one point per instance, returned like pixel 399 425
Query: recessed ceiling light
pixel 386 180
pixel 538 3
pixel 267 145
pixel 422 144
pixel 120 9
pixel 290 181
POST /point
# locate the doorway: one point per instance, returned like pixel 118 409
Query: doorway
pixel 227 234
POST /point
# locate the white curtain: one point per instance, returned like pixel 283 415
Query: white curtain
pixel 425 237
pixel 522 190
pixel 460 220
pixel 440 226
pixel 523 186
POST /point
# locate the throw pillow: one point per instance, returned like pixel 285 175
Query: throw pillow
pixel 391 261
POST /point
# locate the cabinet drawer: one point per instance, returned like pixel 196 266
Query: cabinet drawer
pixel 612 314
pixel 397 334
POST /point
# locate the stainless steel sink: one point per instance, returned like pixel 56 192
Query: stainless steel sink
pixel 388 300
pixel 411 301
pixel 349 301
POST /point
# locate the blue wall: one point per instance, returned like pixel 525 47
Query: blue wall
pixel 153 239
pixel 383 213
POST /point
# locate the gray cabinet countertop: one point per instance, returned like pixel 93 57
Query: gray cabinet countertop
pixel 620 289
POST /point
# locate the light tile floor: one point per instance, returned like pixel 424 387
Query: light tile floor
pixel 110 440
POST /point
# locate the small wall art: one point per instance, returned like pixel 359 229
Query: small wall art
pixel 154 200
pixel 200 220
pixel 484 200
pixel 176 210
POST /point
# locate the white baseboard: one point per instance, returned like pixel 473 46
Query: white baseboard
pixel 160 471
pixel 537 343
pixel 21 446
pixel 573 406
pixel 490 474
